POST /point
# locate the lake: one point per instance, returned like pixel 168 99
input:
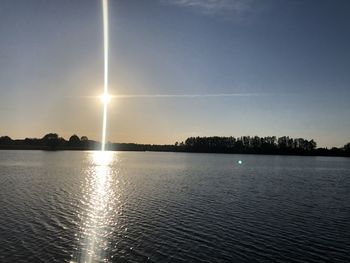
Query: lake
pixel 173 207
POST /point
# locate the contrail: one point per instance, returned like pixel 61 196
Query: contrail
pixel 105 89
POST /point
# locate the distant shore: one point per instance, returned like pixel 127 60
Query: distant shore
pixel 224 145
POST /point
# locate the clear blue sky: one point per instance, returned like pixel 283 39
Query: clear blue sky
pixel 293 56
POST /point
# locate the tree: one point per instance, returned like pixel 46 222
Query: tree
pixel 51 141
pixel 256 142
pixel 283 142
pixel 74 140
pixel 50 136
pixel 313 145
pixel 347 148
pixel 5 140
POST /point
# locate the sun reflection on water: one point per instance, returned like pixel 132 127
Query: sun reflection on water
pixel 102 158
pixel 98 220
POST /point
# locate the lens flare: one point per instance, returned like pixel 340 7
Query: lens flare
pixel 105 96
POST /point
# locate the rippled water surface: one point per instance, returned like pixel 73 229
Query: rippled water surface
pixel 173 207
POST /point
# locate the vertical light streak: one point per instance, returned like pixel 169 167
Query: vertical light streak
pixel 105 89
pixel 93 229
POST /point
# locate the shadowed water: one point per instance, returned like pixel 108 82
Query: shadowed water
pixel 173 207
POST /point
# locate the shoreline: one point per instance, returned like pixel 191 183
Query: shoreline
pixel 45 149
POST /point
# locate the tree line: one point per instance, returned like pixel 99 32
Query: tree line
pixel 51 141
pixel 247 144
pixel 214 144
pixel 284 145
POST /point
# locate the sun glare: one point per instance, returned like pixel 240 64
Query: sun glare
pixel 102 158
pixel 105 98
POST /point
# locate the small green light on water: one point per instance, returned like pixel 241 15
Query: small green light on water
pixel 240 162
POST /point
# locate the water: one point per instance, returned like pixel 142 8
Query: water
pixel 173 207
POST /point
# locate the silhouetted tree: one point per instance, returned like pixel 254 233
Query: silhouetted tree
pixel 312 145
pixel 247 144
pixel 51 141
pixel 84 142
pixel 50 136
pixel 347 148
pixel 5 140
pixel 283 142
pixel 74 141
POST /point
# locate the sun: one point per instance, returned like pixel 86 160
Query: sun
pixel 105 98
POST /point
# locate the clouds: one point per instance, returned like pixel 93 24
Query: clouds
pixel 213 6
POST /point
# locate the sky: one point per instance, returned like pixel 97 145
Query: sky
pixel 283 65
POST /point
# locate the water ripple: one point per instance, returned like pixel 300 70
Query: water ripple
pixel 167 207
